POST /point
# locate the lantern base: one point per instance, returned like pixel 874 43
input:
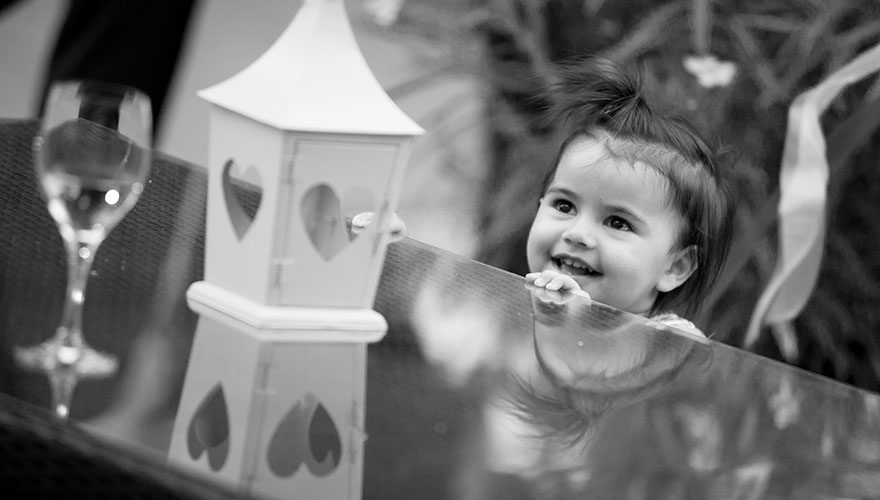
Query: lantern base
pixel 273 400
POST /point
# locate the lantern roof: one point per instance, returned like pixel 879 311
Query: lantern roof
pixel 314 79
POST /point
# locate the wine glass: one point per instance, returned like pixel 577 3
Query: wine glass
pixel 92 159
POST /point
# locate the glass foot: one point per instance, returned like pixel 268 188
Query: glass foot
pixel 65 366
pixel 84 362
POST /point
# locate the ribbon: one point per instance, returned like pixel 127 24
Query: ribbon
pixel 803 186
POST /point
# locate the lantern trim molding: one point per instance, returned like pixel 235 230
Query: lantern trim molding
pixel 280 324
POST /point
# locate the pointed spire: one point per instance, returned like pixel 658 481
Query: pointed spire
pixel 314 79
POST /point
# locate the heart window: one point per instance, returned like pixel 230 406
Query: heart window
pixel 327 219
pixel 243 193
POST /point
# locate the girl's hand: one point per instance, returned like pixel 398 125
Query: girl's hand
pixel 555 287
pixel 552 280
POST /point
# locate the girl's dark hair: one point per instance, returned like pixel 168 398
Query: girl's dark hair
pixel 598 99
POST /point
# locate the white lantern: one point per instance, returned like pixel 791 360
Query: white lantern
pixel 300 141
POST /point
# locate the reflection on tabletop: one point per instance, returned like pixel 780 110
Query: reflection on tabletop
pixel 578 400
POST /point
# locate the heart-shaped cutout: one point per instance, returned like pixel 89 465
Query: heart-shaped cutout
pixel 243 193
pixel 208 430
pixel 326 220
pixel 324 443
pixel 287 447
pixel 305 435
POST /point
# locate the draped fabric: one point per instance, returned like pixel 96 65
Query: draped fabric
pixel 803 184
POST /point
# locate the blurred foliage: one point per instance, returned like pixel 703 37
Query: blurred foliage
pixel 780 48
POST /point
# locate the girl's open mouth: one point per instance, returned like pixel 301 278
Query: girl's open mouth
pixel 574 267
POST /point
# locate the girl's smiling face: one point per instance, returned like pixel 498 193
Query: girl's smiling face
pixel 610 226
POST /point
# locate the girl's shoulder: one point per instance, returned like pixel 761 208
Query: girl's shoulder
pixel 676 321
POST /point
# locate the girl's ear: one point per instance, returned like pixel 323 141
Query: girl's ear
pixel 682 265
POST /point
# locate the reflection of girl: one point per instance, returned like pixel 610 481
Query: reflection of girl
pixel 591 363
pixel 591 359
pixel 635 211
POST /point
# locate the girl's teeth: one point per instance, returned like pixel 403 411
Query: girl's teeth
pixel 569 262
pixel 572 267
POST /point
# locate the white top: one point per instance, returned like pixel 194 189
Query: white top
pixel 314 79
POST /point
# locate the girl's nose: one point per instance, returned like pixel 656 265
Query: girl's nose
pixel 580 235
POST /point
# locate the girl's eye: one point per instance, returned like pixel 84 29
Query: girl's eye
pixel 619 224
pixel 563 206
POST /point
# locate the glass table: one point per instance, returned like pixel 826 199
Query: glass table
pixel 480 388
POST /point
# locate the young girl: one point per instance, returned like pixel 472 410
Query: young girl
pixel 635 211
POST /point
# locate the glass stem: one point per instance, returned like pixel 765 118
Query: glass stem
pixel 80 257
pixel 62 383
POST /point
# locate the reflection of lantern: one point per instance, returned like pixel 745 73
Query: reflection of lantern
pixel 273 398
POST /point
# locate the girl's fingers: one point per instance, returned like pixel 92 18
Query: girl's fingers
pixel 554 284
pixel 537 279
pixel 550 280
pixel 562 282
